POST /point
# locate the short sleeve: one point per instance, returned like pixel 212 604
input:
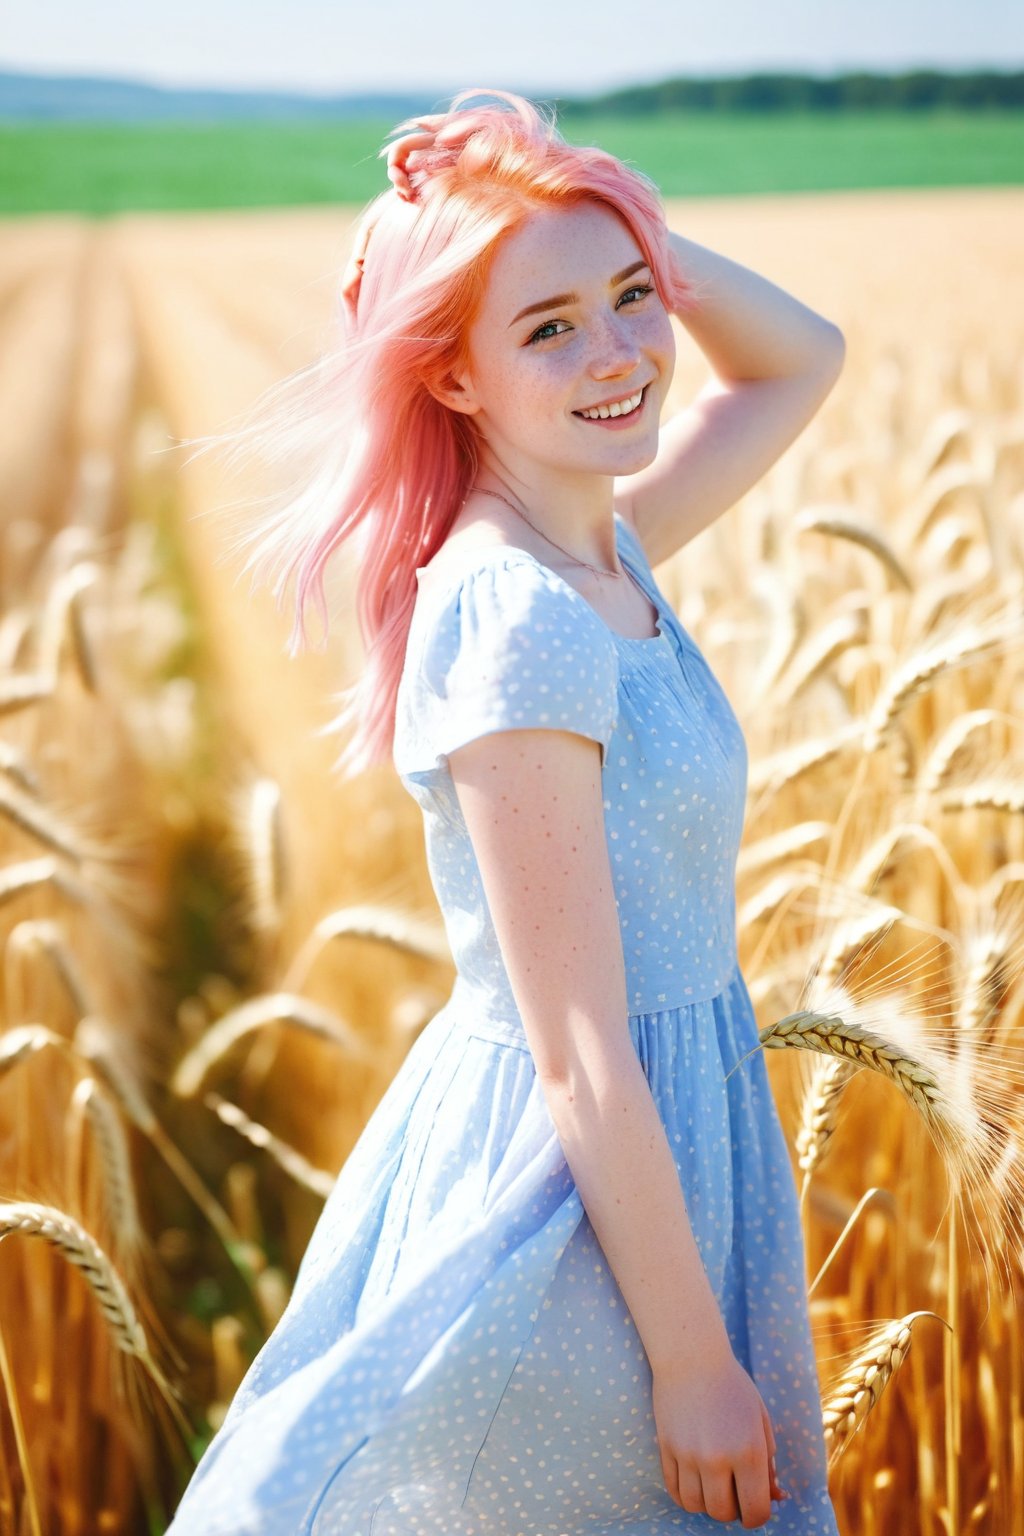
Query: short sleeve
pixel 508 646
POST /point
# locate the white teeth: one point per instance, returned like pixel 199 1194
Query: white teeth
pixel 604 411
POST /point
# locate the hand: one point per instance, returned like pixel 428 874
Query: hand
pixel 398 152
pixel 456 130
pixel 716 1442
pixel 352 277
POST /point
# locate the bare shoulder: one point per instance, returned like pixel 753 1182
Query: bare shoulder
pixel 467 539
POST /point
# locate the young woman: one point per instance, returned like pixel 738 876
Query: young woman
pixel 559 1285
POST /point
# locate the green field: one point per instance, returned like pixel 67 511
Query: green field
pixel 96 168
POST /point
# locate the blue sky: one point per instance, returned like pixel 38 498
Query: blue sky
pixel 538 45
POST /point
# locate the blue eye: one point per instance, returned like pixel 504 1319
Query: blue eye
pixel 538 335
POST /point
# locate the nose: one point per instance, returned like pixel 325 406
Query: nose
pixel 616 351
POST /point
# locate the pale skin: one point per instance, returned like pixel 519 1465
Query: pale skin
pixel 532 798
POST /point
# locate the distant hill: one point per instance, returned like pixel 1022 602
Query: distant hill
pixel 84 98
pixel 28 97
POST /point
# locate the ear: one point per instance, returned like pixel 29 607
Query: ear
pixel 457 394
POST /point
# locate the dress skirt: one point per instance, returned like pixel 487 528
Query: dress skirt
pixel 457 1359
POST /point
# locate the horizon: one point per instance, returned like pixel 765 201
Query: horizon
pixel 243 45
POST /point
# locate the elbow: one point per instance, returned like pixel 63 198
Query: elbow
pixel 829 358
pixel 833 350
pixel 587 1074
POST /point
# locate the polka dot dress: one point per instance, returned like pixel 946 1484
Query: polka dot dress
pixel 456 1358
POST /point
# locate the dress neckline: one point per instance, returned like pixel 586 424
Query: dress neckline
pixel 511 551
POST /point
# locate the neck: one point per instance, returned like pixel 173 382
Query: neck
pixel 577 517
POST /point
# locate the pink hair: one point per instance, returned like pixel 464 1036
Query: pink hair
pixel 384 459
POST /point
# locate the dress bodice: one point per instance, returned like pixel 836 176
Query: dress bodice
pixel 507 643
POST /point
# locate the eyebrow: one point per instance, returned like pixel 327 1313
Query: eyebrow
pixel 574 298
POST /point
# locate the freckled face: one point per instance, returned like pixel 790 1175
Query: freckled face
pixel 531 374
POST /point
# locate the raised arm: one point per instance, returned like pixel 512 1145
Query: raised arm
pixel 532 802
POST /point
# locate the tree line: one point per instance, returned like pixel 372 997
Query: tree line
pixel 917 90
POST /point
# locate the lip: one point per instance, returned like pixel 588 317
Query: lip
pixel 617 423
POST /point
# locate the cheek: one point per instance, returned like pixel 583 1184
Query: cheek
pixel 535 383
pixel 657 333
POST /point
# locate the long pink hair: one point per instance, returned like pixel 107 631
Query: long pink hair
pixel 376 455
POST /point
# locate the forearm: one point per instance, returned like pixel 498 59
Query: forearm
pixel 746 326
pixel 617 1150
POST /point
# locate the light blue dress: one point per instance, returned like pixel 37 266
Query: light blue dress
pixel 456 1358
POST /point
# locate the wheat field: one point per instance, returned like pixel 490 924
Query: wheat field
pixel 215 956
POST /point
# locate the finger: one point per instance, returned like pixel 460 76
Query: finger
pixel 400 180
pixel 719 1492
pixel 691 1495
pixel 454 133
pixel 753 1492
pixel 670 1474
pixel 410 141
pixel 769 1433
pixel 426 137
pixel 777 1490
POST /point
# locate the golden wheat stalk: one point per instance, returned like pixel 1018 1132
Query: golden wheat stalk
pixel 414 936
pixel 62 618
pixel 848 1401
pixel 20 689
pixel 30 874
pixel 256 1014
pixel 31 1510
pixel 90 1099
pixel 985 795
pixel 264 845
pixel 954 743
pixel 769 897
pixel 815 657
pixel 944 482
pixel 818 1114
pixel 82 1249
pixel 23 1040
pixel 777 770
pixel 888 851
pixel 852 935
pixel 95 1042
pixel 17 767
pixel 985 980
pixel 319 1180
pixel 784 628
pixel 61 1231
pixel 34 819
pixel 920 671
pixel 45 936
pixel 838 527
pixel 952 1121
pixel 755 856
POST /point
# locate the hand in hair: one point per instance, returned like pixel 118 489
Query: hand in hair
pixel 399 151
pixel 454 129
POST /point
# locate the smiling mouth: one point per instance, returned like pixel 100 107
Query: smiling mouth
pixel 619 415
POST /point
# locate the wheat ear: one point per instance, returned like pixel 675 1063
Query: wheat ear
pixel 857 533
pixel 848 1401
pixel 368 922
pixel 272 1008
pixel 319 1180
pixel 80 1248
pixel 953 1126
pixel 818 1115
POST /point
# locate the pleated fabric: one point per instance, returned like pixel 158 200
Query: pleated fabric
pixel 456 1358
